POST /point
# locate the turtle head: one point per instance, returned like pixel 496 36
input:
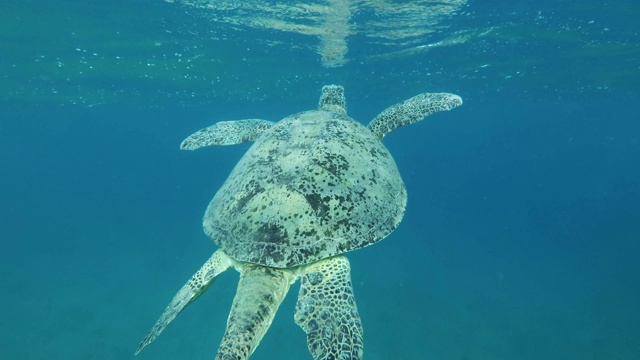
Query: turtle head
pixel 332 99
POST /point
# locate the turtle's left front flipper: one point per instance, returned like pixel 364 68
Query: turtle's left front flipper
pixel 411 111
pixel 196 286
pixel 226 133
pixel 327 312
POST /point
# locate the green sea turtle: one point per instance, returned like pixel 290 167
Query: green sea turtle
pixel 313 186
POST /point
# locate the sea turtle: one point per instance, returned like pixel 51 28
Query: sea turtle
pixel 313 186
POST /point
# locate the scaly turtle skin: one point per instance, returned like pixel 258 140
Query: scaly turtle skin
pixel 313 186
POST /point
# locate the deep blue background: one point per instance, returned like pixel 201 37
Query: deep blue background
pixel 521 238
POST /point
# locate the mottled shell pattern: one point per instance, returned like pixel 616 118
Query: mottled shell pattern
pixel 314 185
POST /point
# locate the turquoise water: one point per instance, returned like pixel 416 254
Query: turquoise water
pixel 521 238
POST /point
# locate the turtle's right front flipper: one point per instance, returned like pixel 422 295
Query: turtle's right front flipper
pixel 411 111
pixel 226 133
pixel 196 286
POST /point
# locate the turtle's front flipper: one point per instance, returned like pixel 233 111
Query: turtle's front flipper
pixel 327 312
pixel 195 287
pixel 411 111
pixel 226 133
pixel 260 291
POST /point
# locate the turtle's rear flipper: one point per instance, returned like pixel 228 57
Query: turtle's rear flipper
pixel 327 312
pixel 226 133
pixel 260 291
pixel 195 287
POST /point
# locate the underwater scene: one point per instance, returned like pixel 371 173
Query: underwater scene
pixel 520 239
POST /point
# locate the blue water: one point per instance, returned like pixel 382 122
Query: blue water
pixel 521 238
